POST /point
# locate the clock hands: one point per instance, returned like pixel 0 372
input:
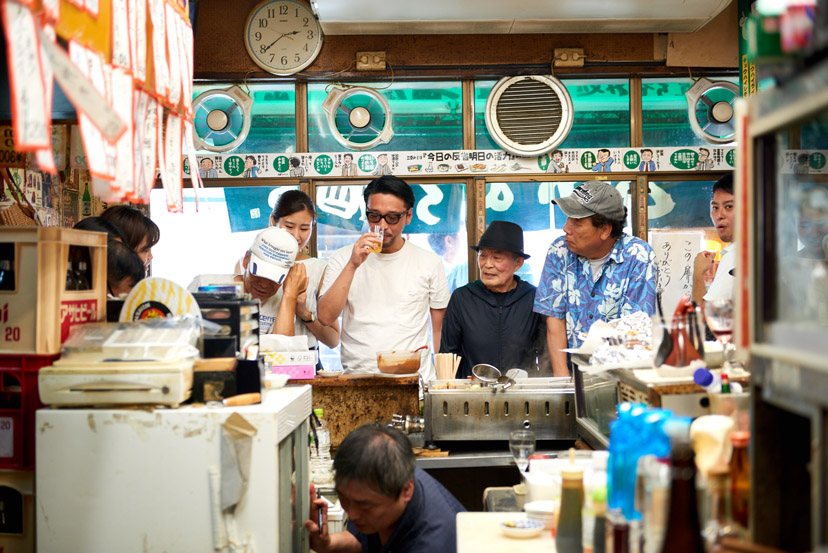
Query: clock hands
pixel 281 35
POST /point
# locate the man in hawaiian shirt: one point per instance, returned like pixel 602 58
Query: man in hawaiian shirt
pixel 594 271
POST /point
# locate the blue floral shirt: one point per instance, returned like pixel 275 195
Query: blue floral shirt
pixel 566 290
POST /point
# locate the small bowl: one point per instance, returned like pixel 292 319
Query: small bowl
pixel 328 374
pixel 399 362
pixel 521 528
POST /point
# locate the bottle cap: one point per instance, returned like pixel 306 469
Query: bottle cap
pixel 572 471
pixel 740 438
pixel 317 412
pixel 703 377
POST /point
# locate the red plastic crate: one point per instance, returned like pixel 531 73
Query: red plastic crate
pixel 19 399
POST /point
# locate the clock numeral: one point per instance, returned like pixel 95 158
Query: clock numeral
pixel 284 60
pixel 271 13
pixel 272 57
pixel 304 21
pixel 305 48
pixel 262 48
pixel 262 23
pixel 310 35
pixel 258 36
pixel 283 9
pixel 297 58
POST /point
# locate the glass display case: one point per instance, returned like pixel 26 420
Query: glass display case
pixel 782 198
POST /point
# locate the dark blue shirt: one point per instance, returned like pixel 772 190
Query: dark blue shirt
pixel 429 522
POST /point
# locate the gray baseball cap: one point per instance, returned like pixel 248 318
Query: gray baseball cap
pixel 590 198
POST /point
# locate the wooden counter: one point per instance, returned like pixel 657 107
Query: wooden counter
pixel 350 401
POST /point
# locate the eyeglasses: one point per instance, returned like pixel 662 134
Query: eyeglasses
pixel 390 218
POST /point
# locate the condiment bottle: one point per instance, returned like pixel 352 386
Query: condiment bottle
pixel 683 533
pixel 595 493
pixel 720 523
pixel 570 530
pixel 725 383
pixel 740 478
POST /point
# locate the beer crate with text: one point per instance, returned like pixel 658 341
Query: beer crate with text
pixel 51 279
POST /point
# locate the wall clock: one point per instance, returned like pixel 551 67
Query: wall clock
pixel 282 36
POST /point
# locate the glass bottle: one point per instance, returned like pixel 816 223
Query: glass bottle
pixel 720 523
pixel 86 202
pixel 81 278
pixel 683 533
pixel 740 478
pixel 320 458
pixel 71 281
pixel 6 275
pixel 595 492
pixel 617 532
pixel 570 531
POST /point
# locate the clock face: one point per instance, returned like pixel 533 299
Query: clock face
pixel 282 36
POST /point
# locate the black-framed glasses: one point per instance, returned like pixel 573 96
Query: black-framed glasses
pixel 390 218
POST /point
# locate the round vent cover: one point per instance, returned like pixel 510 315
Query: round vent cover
pixel 710 109
pixel 359 117
pixel 530 115
pixel 221 119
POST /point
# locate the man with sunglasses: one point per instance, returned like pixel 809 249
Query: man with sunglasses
pixel 386 299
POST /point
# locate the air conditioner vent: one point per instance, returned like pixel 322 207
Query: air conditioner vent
pixel 529 116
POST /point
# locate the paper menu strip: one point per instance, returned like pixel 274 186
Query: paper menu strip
pixel 139 63
pixel 92 6
pixel 174 57
pixel 185 48
pixel 195 177
pixel 149 151
pixel 83 94
pixel 159 48
pixel 30 117
pixel 124 166
pixel 120 34
pixel 45 157
pixel 51 9
pixel 173 167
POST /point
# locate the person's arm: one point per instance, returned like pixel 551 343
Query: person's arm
pixel 451 335
pixel 555 342
pixel 332 302
pixel 437 326
pixel 702 263
pixel 328 335
pixel 322 542
pixel 295 284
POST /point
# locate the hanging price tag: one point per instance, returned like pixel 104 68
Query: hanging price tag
pixel 171 17
pixel 120 34
pixel 150 149
pixel 172 155
pixel 159 48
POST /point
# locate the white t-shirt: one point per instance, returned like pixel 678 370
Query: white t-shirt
pixel 388 303
pixel 722 285
pixel 267 311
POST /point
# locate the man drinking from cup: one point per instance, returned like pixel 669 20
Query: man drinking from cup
pixel 491 320
pixel 385 298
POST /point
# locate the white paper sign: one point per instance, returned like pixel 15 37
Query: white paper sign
pixel 139 63
pixel 195 178
pixel 30 119
pixel 149 151
pixel 675 253
pixel 92 6
pixel 139 114
pixel 45 157
pixel 174 169
pixel 124 166
pixel 185 48
pixel 174 59
pixel 120 34
pixel 51 10
pixel 159 48
pixel 82 93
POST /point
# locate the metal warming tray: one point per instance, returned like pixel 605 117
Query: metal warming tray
pixel 459 410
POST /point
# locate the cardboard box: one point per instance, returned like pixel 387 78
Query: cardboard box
pixel 296 364
pixel 37 314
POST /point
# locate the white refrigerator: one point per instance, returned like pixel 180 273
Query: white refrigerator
pixel 192 479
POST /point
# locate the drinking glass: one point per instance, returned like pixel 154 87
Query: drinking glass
pixel 719 315
pixel 377 230
pixel 522 445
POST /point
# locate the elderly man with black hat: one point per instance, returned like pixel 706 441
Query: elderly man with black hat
pixel 594 271
pixel 491 320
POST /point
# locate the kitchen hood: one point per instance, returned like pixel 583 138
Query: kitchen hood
pixel 390 17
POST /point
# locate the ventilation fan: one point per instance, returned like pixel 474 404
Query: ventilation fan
pixel 222 119
pixel 359 118
pixel 710 109
pixel 530 115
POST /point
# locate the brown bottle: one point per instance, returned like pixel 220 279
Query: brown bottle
pixel 740 478
pixel 683 533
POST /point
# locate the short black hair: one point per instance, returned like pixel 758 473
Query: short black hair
pixel 121 262
pixel 389 184
pixel 99 224
pixel 646 150
pixel 251 157
pixel 290 202
pixel 377 457
pixel 295 162
pixel 704 150
pixel 725 184
pixel 599 220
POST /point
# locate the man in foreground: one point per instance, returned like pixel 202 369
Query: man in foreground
pixel 391 505
pixel 491 320
pixel 385 298
pixel 594 271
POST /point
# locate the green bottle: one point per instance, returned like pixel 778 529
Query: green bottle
pixel 86 202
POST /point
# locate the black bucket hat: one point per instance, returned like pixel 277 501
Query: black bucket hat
pixel 502 235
